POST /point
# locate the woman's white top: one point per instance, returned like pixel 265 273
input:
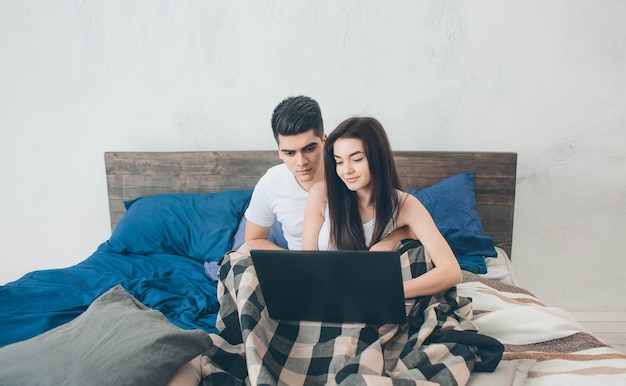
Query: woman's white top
pixel 323 239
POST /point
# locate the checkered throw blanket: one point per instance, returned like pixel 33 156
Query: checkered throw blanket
pixel 438 344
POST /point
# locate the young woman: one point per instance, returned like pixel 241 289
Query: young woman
pixel 361 201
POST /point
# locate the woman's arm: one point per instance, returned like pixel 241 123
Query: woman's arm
pixel 313 216
pixel 446 272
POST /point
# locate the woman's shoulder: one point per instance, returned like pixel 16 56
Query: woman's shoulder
pixel 318 188
pixel 317 193
pixel 407 199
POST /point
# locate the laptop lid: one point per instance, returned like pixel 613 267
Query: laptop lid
pixel 331 286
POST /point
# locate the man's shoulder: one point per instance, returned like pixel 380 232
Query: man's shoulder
pixel 278 169
pixel 276 173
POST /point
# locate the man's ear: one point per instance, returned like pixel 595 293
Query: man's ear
pixel 324 138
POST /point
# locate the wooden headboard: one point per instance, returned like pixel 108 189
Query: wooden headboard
pixel 135 174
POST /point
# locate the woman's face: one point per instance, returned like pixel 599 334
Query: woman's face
pixel 351 163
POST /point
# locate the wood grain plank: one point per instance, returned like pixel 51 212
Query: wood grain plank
pixel 136 174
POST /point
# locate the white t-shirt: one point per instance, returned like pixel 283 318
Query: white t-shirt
pixel 278 195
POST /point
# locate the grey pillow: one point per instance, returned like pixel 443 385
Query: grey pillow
pixel 116 341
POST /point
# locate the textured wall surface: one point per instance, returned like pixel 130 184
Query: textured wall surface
pixel 544 79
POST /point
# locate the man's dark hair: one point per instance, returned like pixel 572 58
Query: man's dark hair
pixel 297 115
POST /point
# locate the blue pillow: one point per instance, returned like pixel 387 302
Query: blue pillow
pixel 200 226
pixel 452 204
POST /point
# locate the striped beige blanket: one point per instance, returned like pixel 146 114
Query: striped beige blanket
pixel 439 344
pixel 543 345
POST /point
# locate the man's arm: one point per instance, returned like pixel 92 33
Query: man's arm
pixel 257 235
pixel 390 242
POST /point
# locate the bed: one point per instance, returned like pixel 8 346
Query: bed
pixel 146 302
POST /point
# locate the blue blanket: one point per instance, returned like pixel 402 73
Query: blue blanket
pixel 42 300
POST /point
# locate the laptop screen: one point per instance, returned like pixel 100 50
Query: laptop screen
pixel 331 286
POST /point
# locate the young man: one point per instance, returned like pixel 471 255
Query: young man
pixel 282 191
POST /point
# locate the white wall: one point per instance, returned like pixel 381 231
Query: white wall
pixel 546 79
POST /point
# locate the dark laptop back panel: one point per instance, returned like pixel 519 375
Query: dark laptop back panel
pixel 332 286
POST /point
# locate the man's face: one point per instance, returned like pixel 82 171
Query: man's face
pixel 303 155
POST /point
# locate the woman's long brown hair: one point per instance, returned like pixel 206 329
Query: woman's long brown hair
pixel 346 227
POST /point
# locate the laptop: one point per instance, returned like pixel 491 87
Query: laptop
pixel 331 286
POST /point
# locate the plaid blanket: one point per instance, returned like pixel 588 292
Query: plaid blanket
pixel 439 344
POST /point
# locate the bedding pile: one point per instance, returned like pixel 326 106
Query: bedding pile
pixel 438 345
pixel 542 345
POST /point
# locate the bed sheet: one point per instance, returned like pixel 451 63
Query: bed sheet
pixel 500 268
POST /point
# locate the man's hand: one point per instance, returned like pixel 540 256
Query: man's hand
pixel 390 242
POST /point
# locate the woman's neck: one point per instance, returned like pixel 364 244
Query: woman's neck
pixel 366 207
